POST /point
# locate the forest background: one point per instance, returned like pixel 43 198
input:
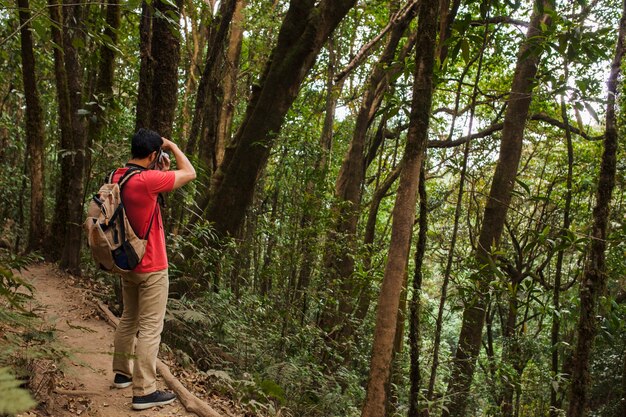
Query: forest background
pixel 402 208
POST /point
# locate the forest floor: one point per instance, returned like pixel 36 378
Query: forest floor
pixel 80 329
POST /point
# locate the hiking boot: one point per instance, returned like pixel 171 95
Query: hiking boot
pixel 122 381
pixel 152 400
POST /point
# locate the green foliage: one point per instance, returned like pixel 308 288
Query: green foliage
pixel 13 399
pixel 259 338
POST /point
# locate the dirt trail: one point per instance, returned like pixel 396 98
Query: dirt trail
pixel 90 339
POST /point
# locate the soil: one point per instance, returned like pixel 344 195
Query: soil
pixel 89 339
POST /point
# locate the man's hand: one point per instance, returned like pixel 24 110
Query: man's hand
pixel 185 171
pixel 168 145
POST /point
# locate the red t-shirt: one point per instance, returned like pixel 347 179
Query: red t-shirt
pixel 140 195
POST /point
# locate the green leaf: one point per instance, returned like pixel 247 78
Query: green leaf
pixel 592 112
pixel 523 185
pixel 465 50
pixel 13 399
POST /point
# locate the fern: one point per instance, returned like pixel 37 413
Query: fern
pixel 13 399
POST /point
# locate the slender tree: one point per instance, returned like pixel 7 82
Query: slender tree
pixel 496 207
pixel 70 257
pixel 403 212
pixel 593 283
pixel 416 306
pixel 59 226
pixel 35 134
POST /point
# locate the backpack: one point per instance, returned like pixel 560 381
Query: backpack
pixel 114 245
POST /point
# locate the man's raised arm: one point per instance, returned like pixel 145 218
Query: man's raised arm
pixel 185 172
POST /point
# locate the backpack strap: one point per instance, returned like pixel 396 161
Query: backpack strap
pixel 127 175
pixel 122 181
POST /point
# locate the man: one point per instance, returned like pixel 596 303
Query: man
pixel 145 289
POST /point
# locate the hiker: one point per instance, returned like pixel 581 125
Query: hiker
pixel 145 288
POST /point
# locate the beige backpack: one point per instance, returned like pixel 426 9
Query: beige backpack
pixel 114 245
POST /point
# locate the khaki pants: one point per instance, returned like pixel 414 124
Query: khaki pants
pixel 145 299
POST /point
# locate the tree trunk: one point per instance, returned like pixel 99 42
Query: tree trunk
pixel 447 15
pixel 59 224
pixel 104 82
pixel 594 277
pixel 416 306
pixel 496 208
pixel 197 36
pixel 404 211
pixel 106 67
pixel 146 69
pixel 339 259
pixel 365 295
pixel 510 352
pixel 556 401
pixel 305 29
pixel 205 125
pixel 74 34
pixel 623 400
pixel 35 134
pixel 165 51
pixel 233 55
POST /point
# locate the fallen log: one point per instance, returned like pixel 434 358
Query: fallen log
pixel 191 403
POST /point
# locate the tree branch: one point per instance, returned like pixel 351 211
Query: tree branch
pixel 542 117
pixel 398 17
pixel 499 19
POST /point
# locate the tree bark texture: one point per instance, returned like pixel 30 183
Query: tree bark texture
pixel 204 127
pixel 594 278
pixel 165 51
pixel 233 56
pixel 103 93
pixel 59 226
pixel 106 66
pixel 447 15
pixel 35 134
pixel 144 93
pixel 70 256
pixel 416 306
pixel 496 209
pixel 403 212
pixel 304 31
pixel 556 400
pixel 339 259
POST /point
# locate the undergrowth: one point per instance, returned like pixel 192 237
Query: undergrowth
pixel 249 346
pixel 24 337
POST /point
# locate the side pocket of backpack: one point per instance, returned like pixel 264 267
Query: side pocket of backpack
pixel 99 244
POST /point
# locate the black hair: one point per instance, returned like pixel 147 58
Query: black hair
pixel 145 142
